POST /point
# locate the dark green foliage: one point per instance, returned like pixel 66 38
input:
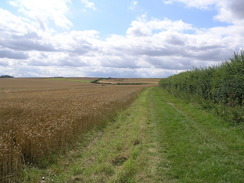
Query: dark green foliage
pixel 132 83
pixel 221 86
pixel 96 81
pixel 6 76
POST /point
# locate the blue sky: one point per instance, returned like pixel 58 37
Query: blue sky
pixel 114 17
pixel 120 38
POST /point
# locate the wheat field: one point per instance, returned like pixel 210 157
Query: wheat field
pixel 39 117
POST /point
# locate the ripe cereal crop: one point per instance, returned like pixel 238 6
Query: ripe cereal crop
pixel 39 117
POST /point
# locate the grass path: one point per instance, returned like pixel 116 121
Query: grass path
pixel 198 146
pixel 157 139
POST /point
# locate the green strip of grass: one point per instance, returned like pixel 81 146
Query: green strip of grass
pixel 199 146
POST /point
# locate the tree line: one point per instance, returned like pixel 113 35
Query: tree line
pixel 6 76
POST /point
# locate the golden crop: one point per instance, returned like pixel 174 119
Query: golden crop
pixel 37 121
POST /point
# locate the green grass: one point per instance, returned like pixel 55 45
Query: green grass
pixel 200 147
pixel 157 139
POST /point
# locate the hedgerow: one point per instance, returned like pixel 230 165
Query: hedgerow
pixel 220 88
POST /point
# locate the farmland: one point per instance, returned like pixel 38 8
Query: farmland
pixel 128 81
pixel 158 138
pixel 41 116
pixel 71 130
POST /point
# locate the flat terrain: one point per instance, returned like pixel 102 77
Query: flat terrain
pixel 30 84
pixel 157 139
pixel 40 116
pixel 146 81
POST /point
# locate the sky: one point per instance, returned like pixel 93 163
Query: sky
pixel 117 38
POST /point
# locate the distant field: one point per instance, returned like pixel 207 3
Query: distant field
pixel 40 116
pixel 151 81
pixel 24 84
pixel 82 80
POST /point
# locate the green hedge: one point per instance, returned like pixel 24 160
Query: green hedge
pixel 222 85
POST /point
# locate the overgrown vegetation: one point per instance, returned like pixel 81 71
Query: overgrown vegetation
pixel 219 88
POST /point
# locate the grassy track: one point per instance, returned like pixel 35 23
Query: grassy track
pixel 198 146
pixel 157 139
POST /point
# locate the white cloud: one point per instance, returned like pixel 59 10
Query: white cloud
pixel 12 24
pixel 45 10
pixel 230 11
pixel 133 4
pixel 150 48
pixel 142 27
pixel 88 4
pixel 173 49
pixel 202 4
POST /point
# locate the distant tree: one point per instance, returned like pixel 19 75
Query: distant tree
pixel 6 76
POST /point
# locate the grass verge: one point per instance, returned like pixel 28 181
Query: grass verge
pixel 199 146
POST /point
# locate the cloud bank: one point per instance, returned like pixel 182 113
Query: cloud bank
pixel 150 47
